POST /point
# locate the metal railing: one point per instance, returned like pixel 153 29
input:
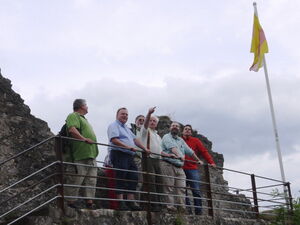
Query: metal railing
pixel 215 196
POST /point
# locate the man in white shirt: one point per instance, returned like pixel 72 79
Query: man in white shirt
pixel 150 139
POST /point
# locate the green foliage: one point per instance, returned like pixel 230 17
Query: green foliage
pixel 284 217
pixel 179 220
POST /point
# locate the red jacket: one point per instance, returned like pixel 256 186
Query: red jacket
pixel 199 149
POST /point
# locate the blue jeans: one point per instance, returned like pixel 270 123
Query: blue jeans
pixel 193 178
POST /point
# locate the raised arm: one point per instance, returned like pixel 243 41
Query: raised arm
pixel 147 119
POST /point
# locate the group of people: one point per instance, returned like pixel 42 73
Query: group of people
pixel 171 162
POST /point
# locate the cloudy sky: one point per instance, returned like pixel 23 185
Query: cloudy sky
pixel 191 59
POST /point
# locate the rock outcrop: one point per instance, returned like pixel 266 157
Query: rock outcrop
pixel 19 131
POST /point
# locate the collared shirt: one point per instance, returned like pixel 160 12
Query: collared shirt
pixel 82 150
pixel 169 142
pixel 195 144
pixel 123 133
pixel 155 141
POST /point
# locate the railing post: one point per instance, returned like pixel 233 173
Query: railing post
pixel 287 184
pixel 255 208
pixel 146 185
pixel 60 178
pixel 209 194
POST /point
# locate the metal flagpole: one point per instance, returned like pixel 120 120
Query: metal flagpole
pixel 274 121
pixel 273 118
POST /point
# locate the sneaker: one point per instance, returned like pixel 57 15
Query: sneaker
pixel 123 206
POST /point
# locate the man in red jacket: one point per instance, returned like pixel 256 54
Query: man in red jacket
pixel 191 169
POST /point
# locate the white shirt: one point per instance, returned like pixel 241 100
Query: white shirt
pixel 155 141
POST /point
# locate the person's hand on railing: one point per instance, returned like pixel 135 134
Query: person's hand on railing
pixel 213 165
pixel 133 149
pixel 88 140
pixel 147 150
pixel 200 162
pixel 171 155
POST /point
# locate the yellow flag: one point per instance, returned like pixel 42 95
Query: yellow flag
pixel 259 45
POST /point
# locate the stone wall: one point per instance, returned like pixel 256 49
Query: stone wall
pixel 112 217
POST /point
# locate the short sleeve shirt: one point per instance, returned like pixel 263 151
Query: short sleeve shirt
pixel 123 133
pixel 169 142
pixel 82 150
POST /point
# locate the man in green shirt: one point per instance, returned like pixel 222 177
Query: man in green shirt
pixel 84 152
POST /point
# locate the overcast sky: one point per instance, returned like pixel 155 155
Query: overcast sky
pixel 191 59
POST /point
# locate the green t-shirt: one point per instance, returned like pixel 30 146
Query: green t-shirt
pixel 82 150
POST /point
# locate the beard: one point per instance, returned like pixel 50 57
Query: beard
pixel 174 132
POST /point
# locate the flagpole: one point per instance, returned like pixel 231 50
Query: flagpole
pixel 273 118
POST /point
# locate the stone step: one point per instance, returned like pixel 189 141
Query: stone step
pixel 113 217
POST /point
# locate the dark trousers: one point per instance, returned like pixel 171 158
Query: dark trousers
pixel 124 161
pixel 152 165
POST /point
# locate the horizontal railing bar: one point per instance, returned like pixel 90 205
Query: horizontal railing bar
pixel 29 200
pixel 163 194
pixel 30 187
pixel 268 186
pixel 271 179
pixel 234 203
pixel 26 214
pixel 277 198
pixel 25 178
pixel 272 206
pixel 26 150
pixel 152 193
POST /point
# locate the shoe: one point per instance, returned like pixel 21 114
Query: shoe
pixel 134 207
pixel 123 206
pixel 198 213
pixel 90 206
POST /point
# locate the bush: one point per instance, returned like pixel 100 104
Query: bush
pixel 284 217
